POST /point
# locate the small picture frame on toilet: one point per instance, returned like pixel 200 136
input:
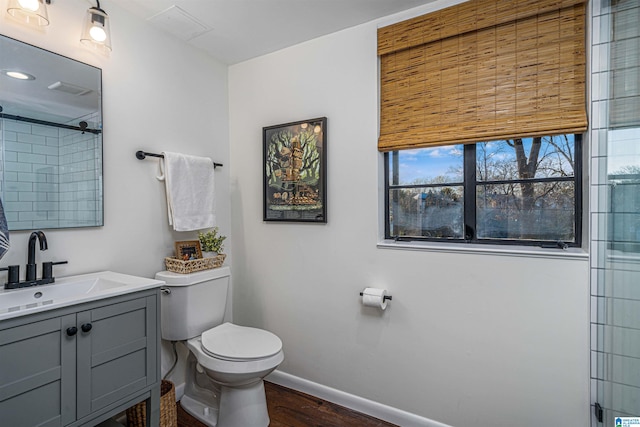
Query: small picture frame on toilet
pixel 188 250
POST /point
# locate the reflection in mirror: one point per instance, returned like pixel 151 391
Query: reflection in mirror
pixel 51 139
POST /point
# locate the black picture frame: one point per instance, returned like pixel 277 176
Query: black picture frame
pixel 294 171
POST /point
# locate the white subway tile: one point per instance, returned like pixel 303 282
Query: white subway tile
pixel 53 142
pixel 594 308
pixel 18 206
pixel 53 160
pixel 31 139
pixel 10 176
pixel 599 223
pixel 17 167
pixel 45 149
pixel 10 156
pixel 41 186
pixel 49 131
pixel 26 177
pixel 32 158
pixel 24 196
pixel 10 136
pixel 19 147
pixel 18 127
pixel 43 206
pixel 32 215
pixel 21 225
pixel 10 196
pixel 18 186
pixel 595 29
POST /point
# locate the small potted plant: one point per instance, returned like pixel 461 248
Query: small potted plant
pixel 211 243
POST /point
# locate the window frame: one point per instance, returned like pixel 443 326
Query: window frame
pixel 470 185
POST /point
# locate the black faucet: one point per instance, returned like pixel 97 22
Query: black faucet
pixel 14 282
pixel 31 256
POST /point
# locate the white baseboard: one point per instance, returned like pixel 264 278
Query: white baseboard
pixel 356 403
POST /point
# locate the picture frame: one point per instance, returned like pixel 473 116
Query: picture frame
pixel 188 248
pixel 294 171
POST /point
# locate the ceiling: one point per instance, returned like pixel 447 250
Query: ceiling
pixel 236 30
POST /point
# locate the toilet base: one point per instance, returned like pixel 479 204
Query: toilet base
pixel 243 406
pixel 199 410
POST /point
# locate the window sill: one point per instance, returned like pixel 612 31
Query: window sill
pixel 498 250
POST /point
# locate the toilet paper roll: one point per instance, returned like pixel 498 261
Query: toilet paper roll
pixel 374 297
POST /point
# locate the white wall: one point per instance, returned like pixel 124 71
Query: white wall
pixel 158 95
pixel 468 340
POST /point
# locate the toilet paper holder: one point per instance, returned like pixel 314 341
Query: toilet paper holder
pixel 384 298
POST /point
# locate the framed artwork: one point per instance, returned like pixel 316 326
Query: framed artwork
pixel 188 249
pixel 295 164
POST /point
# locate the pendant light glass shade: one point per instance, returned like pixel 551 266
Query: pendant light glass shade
pixel 32 12
pixel 96 32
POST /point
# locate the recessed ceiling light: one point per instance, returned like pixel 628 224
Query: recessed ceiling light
pixel 20 75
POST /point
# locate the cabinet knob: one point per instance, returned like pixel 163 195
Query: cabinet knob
pixel 86 327
pixel 71 331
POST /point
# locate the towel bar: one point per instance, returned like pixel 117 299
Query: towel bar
pixel 141 155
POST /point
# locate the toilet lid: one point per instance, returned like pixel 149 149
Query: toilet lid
pixel 233 342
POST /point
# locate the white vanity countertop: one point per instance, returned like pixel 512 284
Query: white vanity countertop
pixel 70 290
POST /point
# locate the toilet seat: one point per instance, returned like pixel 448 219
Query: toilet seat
pixel 239 343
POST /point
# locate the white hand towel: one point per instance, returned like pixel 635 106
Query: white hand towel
pixel 189 183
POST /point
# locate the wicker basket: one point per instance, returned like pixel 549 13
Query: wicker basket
pixel 184 267
pixel 137 414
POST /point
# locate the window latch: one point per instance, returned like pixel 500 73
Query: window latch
pixel 469 232
pixel 559 245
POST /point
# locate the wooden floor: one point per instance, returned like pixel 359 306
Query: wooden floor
pixel 291 408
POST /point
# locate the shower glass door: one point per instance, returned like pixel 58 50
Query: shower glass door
pixel 615 211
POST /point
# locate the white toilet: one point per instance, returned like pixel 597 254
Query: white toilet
pixel 227 362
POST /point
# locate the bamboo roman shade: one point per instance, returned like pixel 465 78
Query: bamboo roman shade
pixel 483 70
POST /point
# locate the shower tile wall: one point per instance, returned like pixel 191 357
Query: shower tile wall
pixel 80 163
pixel 615 209
pixel 48 176
pixel 30 174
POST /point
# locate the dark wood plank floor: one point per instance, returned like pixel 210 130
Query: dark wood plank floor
pixel 291 408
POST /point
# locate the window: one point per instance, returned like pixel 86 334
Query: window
pixel 518 191
pixel 506 72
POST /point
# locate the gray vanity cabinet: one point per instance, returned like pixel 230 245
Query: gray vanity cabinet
pixel 79 365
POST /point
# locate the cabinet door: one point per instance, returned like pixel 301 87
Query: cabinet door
pixel 37 374
pixel 116 353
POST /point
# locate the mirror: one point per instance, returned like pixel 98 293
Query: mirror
pixel 50 139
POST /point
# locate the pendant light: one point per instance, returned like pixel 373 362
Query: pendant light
pixel 32 12
pixel 96 32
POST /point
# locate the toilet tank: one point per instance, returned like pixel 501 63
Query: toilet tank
pixel 192 303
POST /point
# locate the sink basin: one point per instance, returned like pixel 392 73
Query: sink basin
pixel 70 290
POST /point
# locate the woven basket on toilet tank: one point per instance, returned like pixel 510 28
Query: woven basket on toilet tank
pixel 185 267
